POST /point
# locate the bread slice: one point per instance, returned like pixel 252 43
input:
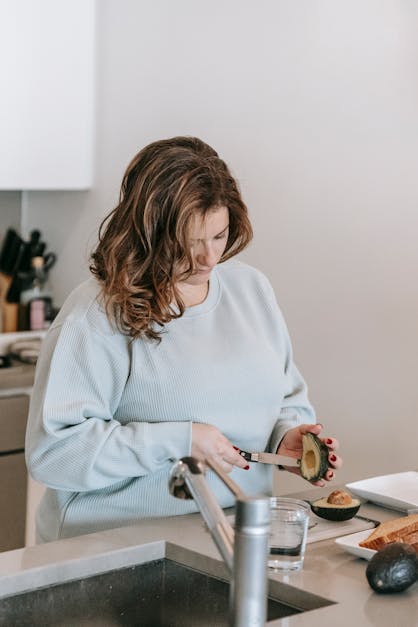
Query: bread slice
pixel 404 529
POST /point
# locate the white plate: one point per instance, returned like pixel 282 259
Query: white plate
pixel 350 544
pixel 398 491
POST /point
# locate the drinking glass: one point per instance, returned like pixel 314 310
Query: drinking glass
pixel 289 530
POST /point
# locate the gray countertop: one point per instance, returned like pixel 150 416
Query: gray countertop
pixel 328 571
pixel 19 376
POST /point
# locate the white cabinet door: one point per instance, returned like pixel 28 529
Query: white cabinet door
pixel 47 93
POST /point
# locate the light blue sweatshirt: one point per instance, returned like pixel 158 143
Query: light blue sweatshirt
pixel 108 415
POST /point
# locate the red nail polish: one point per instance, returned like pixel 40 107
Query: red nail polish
pixel 328 441
pixel 246 468
pixel 235 447
pixel 333 458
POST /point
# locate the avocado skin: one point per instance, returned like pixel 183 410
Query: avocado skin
pixel 344 512
pixel 393 569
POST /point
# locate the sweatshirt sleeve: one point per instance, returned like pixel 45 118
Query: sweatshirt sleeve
pixel 296 408
pixel 73 441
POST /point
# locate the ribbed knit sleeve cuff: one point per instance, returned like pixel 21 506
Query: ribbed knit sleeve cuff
pixel 173 440
pixel 279 433
pixel 289 419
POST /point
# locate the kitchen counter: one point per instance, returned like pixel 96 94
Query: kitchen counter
pixel 329 572
pixel 18 376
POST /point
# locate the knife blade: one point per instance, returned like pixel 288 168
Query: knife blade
pixel 269 458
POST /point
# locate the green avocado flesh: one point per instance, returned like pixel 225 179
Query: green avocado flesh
pixel 314 461
pixel 393 569
pixel 324 503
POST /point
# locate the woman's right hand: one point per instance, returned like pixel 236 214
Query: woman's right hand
pixel 209 442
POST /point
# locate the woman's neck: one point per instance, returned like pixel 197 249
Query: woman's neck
pixel 192 295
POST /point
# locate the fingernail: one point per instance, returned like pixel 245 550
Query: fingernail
pixel 331 475
pixel 246 468
pixel 235 447
pixel 328 441
pixel 333 458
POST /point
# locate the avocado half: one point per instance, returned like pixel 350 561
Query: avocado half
pixel 333 511
pixel 392 569
pixel 314 460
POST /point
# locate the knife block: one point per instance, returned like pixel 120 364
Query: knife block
pixel 9 311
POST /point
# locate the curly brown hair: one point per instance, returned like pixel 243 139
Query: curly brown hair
pixel 143 247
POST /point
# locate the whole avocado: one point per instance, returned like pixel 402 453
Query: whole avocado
pixel 392 569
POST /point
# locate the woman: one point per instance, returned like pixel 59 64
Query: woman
pixel 168 350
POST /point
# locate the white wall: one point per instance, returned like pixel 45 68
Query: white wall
pixel 314 105
pixel 10 208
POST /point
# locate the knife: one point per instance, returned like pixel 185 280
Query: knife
pixel 269 458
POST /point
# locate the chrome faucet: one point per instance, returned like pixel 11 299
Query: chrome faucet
pixel 244 550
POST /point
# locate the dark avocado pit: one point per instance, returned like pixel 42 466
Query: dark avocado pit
pixel 393 569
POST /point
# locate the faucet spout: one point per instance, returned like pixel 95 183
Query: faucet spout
pixel 244 549
pixel 187 481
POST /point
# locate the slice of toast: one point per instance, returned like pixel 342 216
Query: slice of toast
pixel 404 529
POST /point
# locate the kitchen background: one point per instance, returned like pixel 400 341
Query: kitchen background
pixel 314 104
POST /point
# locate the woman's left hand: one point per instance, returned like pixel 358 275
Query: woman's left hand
pixel 291 446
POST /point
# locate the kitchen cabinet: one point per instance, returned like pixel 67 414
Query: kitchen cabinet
pixel 13 474
pixel 46 108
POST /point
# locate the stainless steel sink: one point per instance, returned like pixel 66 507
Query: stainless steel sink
pixel 157 593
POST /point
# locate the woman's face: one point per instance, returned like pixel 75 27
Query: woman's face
pixel 208 239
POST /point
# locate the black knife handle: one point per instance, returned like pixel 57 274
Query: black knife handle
pixel 245 455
